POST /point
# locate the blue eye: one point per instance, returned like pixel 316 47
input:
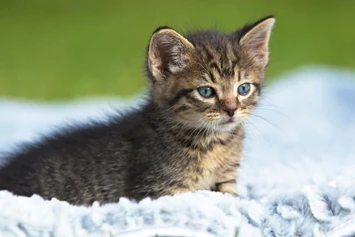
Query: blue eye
pixel 244 89
pixel 206 91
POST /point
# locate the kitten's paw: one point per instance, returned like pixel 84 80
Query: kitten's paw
pixel 228 187
pixel 233 194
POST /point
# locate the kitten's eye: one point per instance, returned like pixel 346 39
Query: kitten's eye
pixel 206 91
pixel 244 89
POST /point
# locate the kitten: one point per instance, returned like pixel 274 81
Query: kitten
pixel 186 137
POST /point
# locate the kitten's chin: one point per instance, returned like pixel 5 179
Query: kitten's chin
pixel 228 124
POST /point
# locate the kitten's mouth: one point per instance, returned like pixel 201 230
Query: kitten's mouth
pixel 228 124
pixel 229 120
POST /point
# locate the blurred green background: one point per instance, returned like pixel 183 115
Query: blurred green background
pixel 70 48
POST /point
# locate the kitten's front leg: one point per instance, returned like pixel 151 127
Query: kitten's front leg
pixel 228 186
pixel 225 180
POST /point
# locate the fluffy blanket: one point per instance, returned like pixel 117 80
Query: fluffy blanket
pixel 297 177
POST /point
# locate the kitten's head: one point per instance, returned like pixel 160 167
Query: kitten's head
pixel 208 79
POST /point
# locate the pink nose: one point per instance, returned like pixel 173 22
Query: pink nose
pixel 230 106
pixel 230 110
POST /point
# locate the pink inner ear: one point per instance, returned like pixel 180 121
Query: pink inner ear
pixel 161 55
pixel 257 49
pixel 259 45
pixel 256 44
pixel 260 56
pixel 258 41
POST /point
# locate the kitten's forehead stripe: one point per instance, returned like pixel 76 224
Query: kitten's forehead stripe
pixel 212 77
pixel 234 63
pixel 217 53
pixel 209 54
pixel 216 67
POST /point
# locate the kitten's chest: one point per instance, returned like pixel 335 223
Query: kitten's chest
pixel 211 166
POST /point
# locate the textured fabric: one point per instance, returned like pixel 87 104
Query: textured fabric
pixel 297 177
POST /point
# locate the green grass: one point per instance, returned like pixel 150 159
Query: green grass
pixel 68 48
pixel 236 232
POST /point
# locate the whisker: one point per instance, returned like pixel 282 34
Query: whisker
pixel 188 136
pixel 266 120
pixel 246 126
pixel 258 107
pixel 267 100
pixel 265 137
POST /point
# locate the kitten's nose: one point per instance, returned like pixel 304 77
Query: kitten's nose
pixel 229 105
pixel 230 111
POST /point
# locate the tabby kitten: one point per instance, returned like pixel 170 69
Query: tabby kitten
pixel 187 137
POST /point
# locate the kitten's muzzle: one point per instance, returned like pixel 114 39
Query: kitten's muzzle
pixel 230 111
pixel 229 105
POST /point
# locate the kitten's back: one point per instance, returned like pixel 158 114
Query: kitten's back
pixel 79 164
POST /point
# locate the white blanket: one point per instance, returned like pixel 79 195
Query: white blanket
pixel 296 179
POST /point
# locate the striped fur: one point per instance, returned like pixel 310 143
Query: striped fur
pixel 223 62
pixel 178 141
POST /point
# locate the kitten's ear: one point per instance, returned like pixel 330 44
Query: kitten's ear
pixel 255 41
pixel 168 53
